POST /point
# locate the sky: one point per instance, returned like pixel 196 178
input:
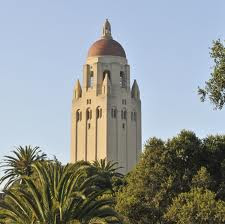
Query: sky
pixel 44 44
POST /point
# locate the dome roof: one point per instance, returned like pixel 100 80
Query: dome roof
pixel 106 45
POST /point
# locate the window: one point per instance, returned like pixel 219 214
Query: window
pixel 98 112
pixel 123 80
pixel 91 79
pixel 133 116
pixel 123 114
pixel 124 102
pixel 113 112
pixel 106 72
pixel 89 114
pixel 78 115
pixel 123 125
pixel 88 101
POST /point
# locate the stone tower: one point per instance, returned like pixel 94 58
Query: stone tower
pixel 106 113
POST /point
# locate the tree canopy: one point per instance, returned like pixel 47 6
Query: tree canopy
pixel 20 163
pixel 196 206
pixel 214 88
pixel 58 195
pixel 168 169
pixel 178 180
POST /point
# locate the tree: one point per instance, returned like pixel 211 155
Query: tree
pixel 57 195
pixel 202 179
pixel 198 206
pixel 109 170
pixel 167 169
pixel 20 165
pixel 215 86
pixel 109 167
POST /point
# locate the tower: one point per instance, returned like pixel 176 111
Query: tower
pixel 106 113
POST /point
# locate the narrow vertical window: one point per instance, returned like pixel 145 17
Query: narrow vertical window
pixel 91 79
pixel 77 115
pixel 97 113
pixel 123 80
pixel 115 112
pixel 123 125
pixel 89 114
pixel 125 114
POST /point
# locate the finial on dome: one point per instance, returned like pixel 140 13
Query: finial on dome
pixel 106 31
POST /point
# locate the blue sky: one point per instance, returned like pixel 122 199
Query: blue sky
pixel 44 44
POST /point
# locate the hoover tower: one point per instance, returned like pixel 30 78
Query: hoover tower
pixel 106 112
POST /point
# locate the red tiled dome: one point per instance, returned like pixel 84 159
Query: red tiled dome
pixel 106 46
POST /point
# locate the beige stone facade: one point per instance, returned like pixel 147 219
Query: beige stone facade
pixel 106 112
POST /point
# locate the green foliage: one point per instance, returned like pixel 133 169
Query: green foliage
pixel 180 180
pixel 109 170
pixel 167 169
pixel 58 194
pixel 20 164
pixel 196 206
pixel 202 179
pixel 215 86
pixel 213 158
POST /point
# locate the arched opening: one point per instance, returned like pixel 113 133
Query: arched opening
pixel 90 79
pixel 108 73
pixel 113 112
pixel 123 80
pixel 78 115
pixel 98 112
pixel 123 114
pixel 89 114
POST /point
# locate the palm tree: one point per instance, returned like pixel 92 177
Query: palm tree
pixel 109 167
pixel 19 165
pixel 58 195
pixel 109 172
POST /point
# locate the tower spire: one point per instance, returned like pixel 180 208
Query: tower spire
pixel 106 31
